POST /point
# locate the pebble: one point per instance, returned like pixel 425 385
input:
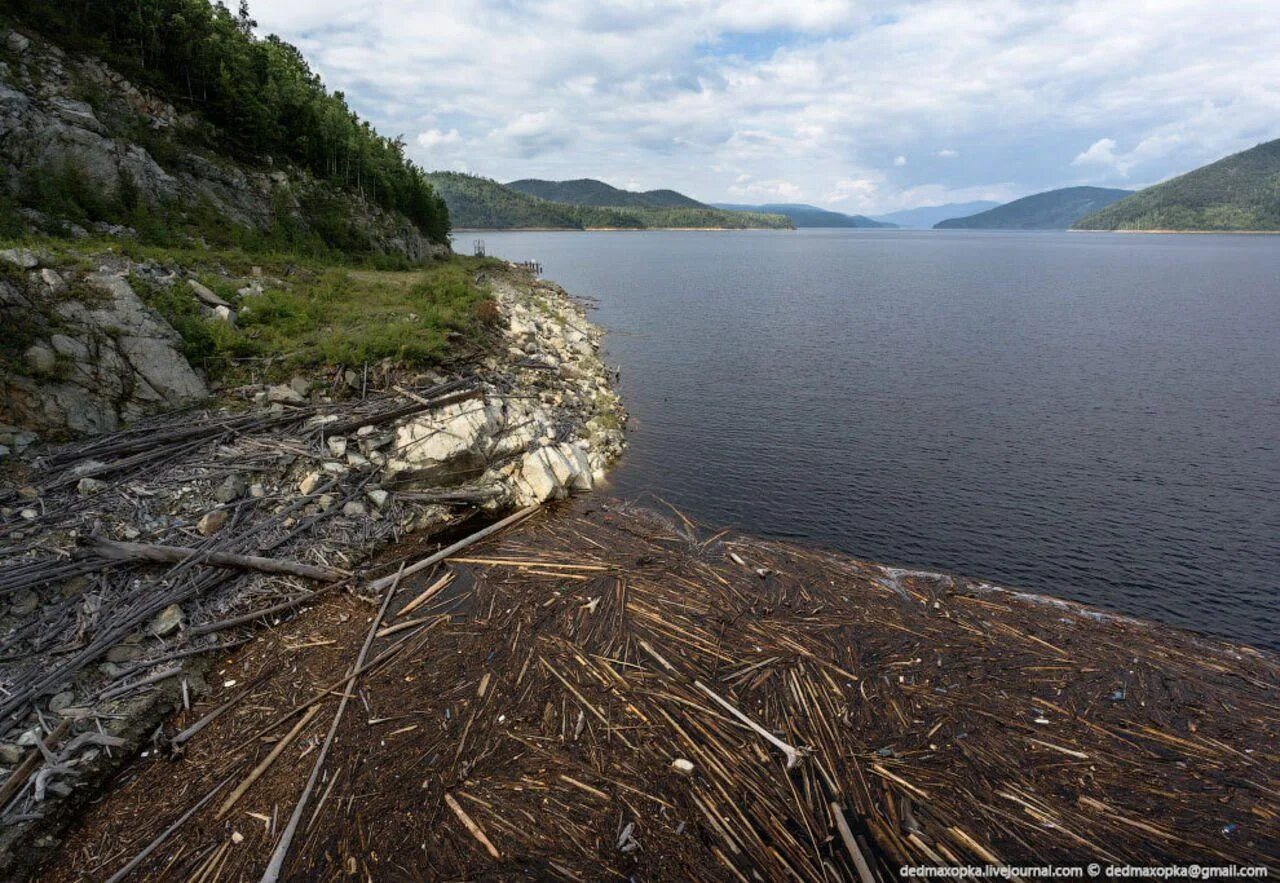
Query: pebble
pixel 167 621
pixel 337 445
pixel 378 497
pixel 309 483
pixel 62 700
pixel 353 509
pixel 212 522
pixel 24 602
pixel 232 488
pixel 90 486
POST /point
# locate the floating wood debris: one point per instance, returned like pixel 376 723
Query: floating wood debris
pixel 674 714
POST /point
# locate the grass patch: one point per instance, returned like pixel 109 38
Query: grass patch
pixel 326 316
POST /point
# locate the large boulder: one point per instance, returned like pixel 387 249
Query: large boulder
pixel 96 361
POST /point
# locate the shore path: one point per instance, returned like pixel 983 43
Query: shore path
pixel 601 692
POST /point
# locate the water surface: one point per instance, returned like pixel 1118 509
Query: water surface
pixel 1094 416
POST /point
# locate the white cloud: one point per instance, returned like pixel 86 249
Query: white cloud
pixel 773 191
pixel 435 139
pixel 657 92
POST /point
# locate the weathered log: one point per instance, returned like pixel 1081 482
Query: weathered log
pixel 121 551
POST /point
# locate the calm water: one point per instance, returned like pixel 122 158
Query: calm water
pixel 1088 415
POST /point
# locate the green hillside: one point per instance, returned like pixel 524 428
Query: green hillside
pixel 803 215
pixel 589 191
pixel 482 203
pixel 1051 210
pixel 257 99
pixel 1240 192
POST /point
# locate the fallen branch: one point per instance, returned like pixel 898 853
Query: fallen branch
pixel 121 551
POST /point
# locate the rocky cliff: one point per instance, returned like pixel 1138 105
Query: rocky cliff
pixel 82 150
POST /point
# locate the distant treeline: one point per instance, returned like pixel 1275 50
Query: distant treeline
pixel 483 203
pixel 259 94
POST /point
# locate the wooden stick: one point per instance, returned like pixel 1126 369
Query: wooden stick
pixel 427 595
pixel 266 762
pixel 380 584
pixel 792 753
pixel 859 861
pixel 476 831
pixel 121 551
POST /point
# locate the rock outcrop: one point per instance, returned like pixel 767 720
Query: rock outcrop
pixel 552 432
pixel 63 113
pixel 86 355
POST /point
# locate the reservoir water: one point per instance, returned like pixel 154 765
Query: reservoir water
pixel 1093 416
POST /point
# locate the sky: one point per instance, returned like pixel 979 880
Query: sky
pixel 855 106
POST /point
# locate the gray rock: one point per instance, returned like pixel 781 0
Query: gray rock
pixel 40 358
pixel 62 700
pixel 20 257
pixel 378 497
pixel 31 737
pixel 167 621
pixel 353 509
pixel 300 385
pixel 231 489
pixel 55 282
pixel 17 43
pixel 90 486
pixel 206 295
pixel 11 754
pixel 284 395
pixel 337 445
pixel 257 491
pixel 24 602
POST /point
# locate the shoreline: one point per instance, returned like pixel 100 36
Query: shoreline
pixel 1188 232
pixel 621 229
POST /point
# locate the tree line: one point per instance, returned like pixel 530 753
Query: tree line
pixel 260 93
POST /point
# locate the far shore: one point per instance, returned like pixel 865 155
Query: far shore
pixel 615 229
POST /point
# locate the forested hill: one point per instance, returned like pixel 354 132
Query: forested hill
pixel 803 215
pixel 481 203
pixel 197 112
pixel 589 191
pixel 1239 192
pixel 1051 210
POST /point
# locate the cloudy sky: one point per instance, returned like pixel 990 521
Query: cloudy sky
pixel 857 106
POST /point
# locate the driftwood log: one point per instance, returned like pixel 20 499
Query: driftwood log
pixel 122 551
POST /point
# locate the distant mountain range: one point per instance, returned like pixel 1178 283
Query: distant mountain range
pixel 1051 210
pixel 481 203
pixel 803 215
pixel 1240 192
pixel 928 215
pixel 589 191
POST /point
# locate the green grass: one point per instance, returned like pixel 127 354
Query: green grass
pixel 324 316
pixel 313 314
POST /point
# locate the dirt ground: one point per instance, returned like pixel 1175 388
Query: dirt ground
pixel 602 693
